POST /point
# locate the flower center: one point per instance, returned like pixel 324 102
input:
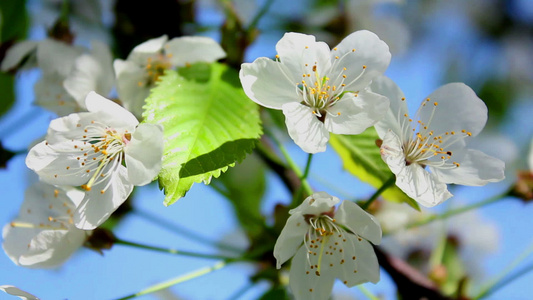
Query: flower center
pixel 429 148
pixel 155 68
pixel 324 238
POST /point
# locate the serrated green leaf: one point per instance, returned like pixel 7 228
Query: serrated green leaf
pixel 208 126
pixel 361 158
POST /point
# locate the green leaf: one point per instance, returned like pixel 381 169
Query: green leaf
pixel 360 156
pixel 13 20
pixel 209 124
pixel 7 86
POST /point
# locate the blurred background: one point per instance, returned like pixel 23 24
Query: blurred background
pixel 487 44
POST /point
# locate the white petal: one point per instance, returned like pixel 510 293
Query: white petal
pixel 366 262
pixel 269 83
pixel 83 78
pixel 95 208
pixel 144 153
pixel 16 53
pixel 398 107
pixel 52 239
pixel 316 204
pixel 353 115
pixel 414 180
pixel 131 86
pixel 142 52
pixel 305 128
pixel 51 248
pixel 458 108
pixel 422 186
pixel 15 291
pixel 290 239
pixel 370 59
pixel 191 49
pixel 304 282
pixel 50 94
pixel 476 169
pixel 57 57
pixel 101 52
pixel 55 167
pixel 97 103
pixel 301 52
pixel 359 221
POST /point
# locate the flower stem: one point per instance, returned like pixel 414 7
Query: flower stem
pixel 307 166
pixel 501 280
pixel 173 251
pixel 264 9
pixel 386 185
pixel 457 211
pixel 180 279
pixel 367 293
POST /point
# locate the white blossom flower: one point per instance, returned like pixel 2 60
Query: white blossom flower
pixel 43 235
pixel 336 244
pixel 428 151
pixel 319 90
pixel 15 291
pixel 149 60
pixel 67 73
pixel 104 151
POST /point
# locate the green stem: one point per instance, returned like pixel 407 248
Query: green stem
pixel 390 182
pixel 506 281
pixel 367 293
pixel 173 251
pixel 292 164
pixel 180 279
pixel 457 211
pixel 194 236
pixel 501 280
pixel 264 9
pixel 307 166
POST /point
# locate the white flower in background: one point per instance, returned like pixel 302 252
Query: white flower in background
pixel 104 151
pixel 137 75
pixel 428 151
pixel 319 90
pixel 15 291
pixel 336 244
pixel 67 73
pixel 43 235
pixel 91 72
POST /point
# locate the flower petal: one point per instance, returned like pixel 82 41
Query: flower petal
pixel 120 117
pixel 15 291
pixel 304 282
pixel 363 55
pixel 476 169
pixel 191 49
pixel 458 108
pixel 398 107
pixel 290 239
pixel 316 204
pixel 300 53
pixel 144 153
pixel 359 221
pixel 96 207
pixel 305 128
pixel 269 83
pixel 150 48
pixel 353 115
pixel 56 57
pixel 131 86
pixel 413 179
pixel 366 262
pixel 16 54
pixel 50 94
